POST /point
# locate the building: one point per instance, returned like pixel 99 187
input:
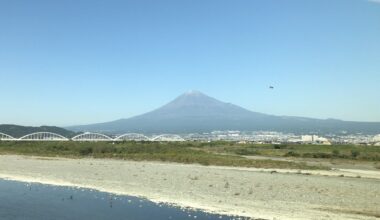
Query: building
pixel 376 138
pixel 314 139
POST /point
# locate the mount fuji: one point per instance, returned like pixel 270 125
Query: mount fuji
pixel 196 112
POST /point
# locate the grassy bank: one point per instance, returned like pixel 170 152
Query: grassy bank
pixel 186 152
pixel 350 152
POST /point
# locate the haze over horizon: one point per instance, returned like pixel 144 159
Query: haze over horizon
pixel 82 62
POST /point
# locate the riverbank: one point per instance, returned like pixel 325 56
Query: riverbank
pixel 258 193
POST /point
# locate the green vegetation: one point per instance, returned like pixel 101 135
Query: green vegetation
pixel 377 166
pixel 17 131
pixel 212 153
pixel 185 152
pixel 352 152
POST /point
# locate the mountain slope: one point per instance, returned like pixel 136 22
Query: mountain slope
pixel 17 131
pixel 196 112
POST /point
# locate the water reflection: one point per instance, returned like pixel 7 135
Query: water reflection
pixel 37 201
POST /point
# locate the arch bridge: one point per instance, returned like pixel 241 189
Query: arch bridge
pixel 168 137
pixel 132 137
pixel 43 136
pixel 5 137
pixel 88 136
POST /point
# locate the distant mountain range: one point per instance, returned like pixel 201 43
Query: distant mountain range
pixel 18 131
pixel 197 112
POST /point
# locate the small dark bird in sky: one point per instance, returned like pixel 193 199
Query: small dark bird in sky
pixel 271 87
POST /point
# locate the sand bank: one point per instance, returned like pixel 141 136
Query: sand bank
pixel 259 193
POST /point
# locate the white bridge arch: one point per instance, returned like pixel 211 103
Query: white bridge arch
pixel 43 136
pixel 132 137
pixel 168 137
pixel 5 137
pixel 88 136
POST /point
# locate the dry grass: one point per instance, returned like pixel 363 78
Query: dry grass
pixel 187 153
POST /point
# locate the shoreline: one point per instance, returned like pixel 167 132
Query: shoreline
pixel 246 192
pixel 117 193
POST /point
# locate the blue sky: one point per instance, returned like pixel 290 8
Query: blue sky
pixel 84 61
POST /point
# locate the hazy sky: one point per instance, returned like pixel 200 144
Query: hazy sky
pixel 75 62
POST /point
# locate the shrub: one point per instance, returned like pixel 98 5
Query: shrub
pixel 335 153
pixel 85 151
pixel 355 153
pixel 244 151
pixel 279 146
pixel 317 155
pixel 104 149
pixel 292 154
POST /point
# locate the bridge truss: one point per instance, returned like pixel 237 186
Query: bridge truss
pixel 88 136
pixel 168 137
pixel 5 137
pixel 43 136
pixel 132 137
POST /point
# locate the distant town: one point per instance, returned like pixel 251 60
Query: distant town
pixel 257 137
pixel 271 137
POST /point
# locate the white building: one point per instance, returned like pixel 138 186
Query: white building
pixel 308 138
pixel 314 139
pixel 376 138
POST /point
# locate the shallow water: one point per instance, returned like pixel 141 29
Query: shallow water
pixel 32 201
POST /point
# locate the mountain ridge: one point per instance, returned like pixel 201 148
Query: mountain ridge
pixel 18 131
pixel 195 112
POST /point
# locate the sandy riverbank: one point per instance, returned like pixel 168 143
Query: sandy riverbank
pixel 285 194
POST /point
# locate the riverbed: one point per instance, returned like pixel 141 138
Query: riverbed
pixel 256 193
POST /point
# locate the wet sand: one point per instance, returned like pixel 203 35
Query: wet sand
pixel 258 193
